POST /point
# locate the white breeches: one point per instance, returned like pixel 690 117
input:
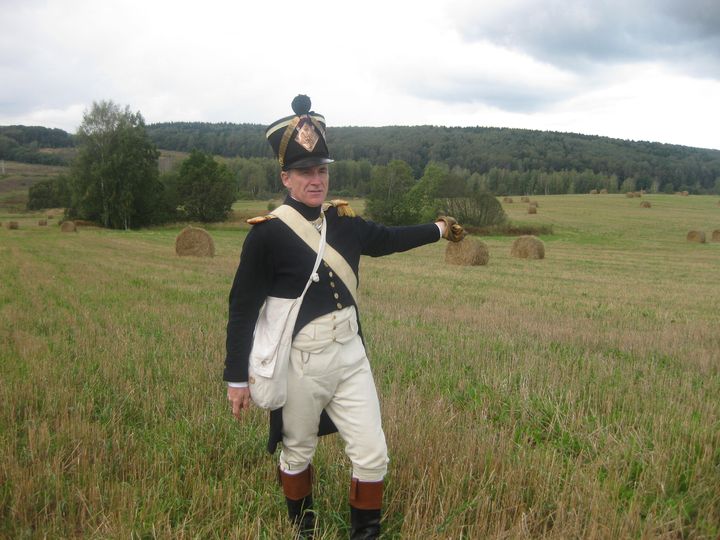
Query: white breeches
pixel 329 370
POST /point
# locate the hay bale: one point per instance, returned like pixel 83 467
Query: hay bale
pixel 696 236
pixel 13 225
pixel 603 191
pixel 532 209
pixel 684 193
pixel 525 199
pixel 716 235
pixel 629 194
pixel 645 204
pixel 42 223
pixel 528 247
pixel 467 252
pixel 68 226
pixel 637 194
pixel 194 242
pixel 593 192
pixel 507 199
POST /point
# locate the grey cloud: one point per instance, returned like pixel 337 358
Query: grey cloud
pixel 514 99
pixel 580 35
pixel 468 88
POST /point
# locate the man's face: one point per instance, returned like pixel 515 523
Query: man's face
pixel 308 185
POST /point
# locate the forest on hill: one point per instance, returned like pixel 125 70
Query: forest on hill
pixel 476 149
pixel 29 144
pixel 509 160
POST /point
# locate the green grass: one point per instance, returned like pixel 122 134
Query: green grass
pixel 571 397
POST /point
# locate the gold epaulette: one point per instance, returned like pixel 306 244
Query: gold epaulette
pixel 260 219
pixel 343 208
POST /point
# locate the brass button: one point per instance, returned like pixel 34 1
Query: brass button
pixel 330 274
pixel 332 284
pixel 339 305
pixel 336 295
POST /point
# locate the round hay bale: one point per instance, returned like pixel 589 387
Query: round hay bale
pixel 645 204
pixel 507 199
pixel 716 235
pixel 467 252
pixel 194 242
pixel 528 247
pixel 532 209
pixel 42 223
pixel 696 236
pixel 629 194
pixel 13 225
pixel 525 199
pixel 637 194
pixel 685 194
pixel 68 226
pixel 603 191
pixel 593 192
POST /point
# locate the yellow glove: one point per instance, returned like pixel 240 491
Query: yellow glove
pixel 454 232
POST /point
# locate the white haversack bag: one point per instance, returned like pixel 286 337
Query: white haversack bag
pixel 270 353
pixel 272 339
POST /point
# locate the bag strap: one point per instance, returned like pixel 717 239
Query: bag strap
pixel 321 249
pixel 300 226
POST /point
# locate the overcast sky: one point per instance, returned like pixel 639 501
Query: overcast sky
pixel 632 69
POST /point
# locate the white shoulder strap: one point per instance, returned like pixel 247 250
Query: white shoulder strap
pixel 304 229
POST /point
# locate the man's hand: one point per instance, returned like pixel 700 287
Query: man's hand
pixel 453 230
pixel 240 399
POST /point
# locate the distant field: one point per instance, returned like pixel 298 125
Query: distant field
pixel 17 179
pixel 571 397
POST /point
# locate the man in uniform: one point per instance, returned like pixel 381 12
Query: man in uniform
pixel 330 385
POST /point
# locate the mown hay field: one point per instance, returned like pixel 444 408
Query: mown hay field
pixel 570 397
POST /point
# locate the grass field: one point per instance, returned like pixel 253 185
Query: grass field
pixel 572 397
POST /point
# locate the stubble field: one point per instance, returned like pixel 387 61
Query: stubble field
pixel 572 397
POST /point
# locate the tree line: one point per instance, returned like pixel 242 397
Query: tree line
pixel 24 144
pixel 115 181
pixel 517 161
pixel 650 166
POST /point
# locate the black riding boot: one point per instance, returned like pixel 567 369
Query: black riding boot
pixel 365 524
pixel 302 516
pixel 365 509
pixel 298 495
